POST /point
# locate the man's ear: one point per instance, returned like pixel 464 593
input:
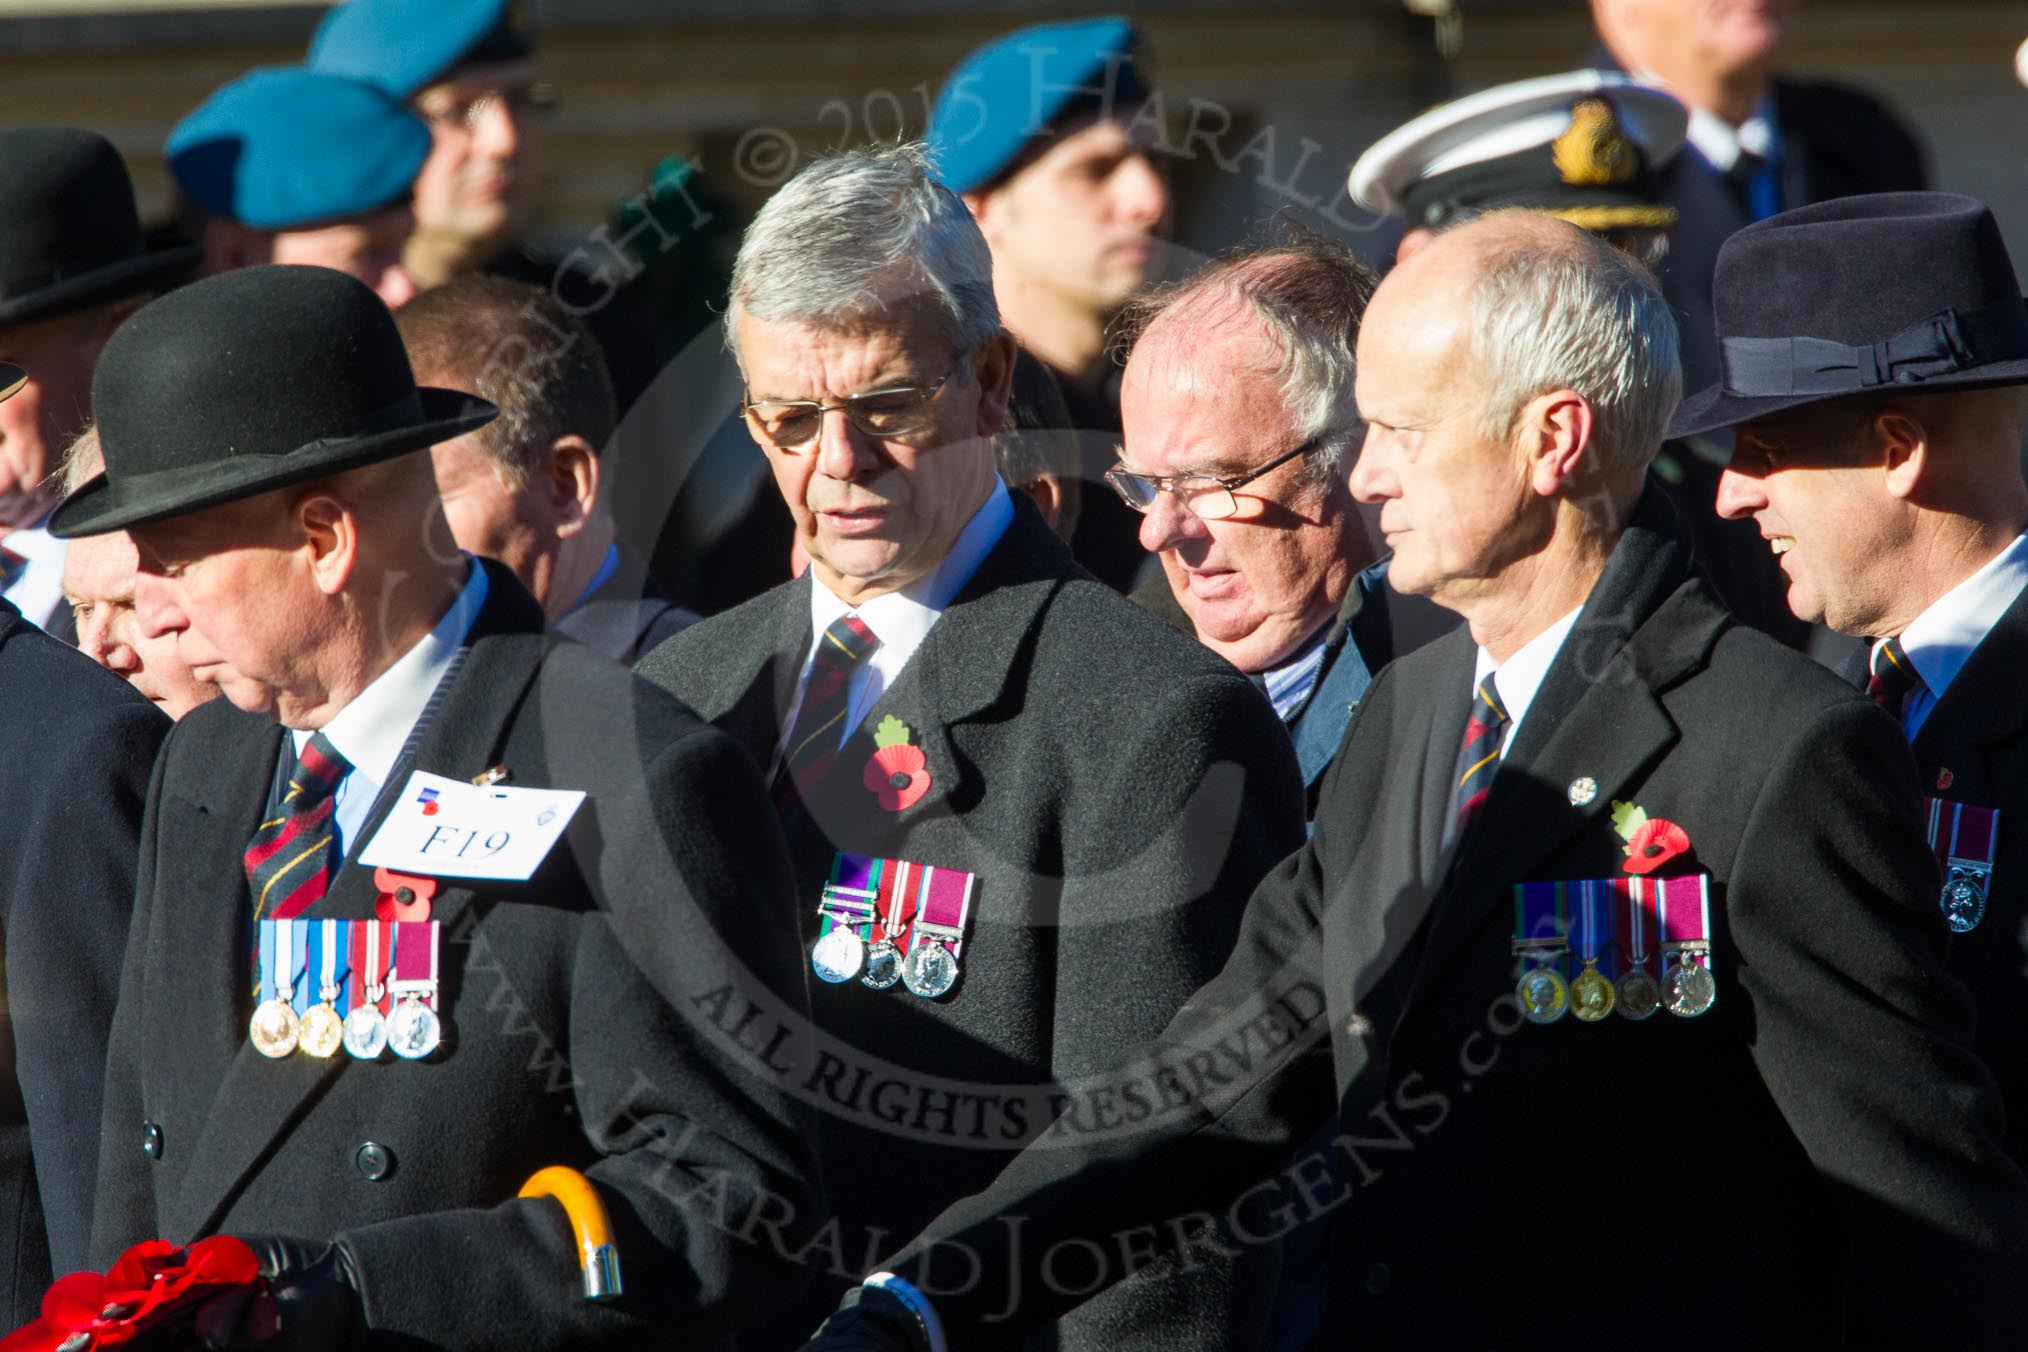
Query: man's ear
pixel 1048 495
pixel 1903 442
pixel 331 534
pixel 995 367
pixel 1555 431
pixel 572 483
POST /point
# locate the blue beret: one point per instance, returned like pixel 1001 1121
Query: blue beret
pixel 284 148
pixel 1017 86
pixel 405 46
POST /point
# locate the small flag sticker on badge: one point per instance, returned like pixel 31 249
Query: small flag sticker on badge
pixel 428 799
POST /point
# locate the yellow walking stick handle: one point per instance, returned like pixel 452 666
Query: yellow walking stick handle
pixel 580 1201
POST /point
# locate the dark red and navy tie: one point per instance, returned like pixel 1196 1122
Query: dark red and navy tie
pixel 819 726
pixel 1480 759
pixel 292 857
pixel 1893 676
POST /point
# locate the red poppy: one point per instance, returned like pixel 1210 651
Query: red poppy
pixel 149 1282
pixel 898 775
pixel 1654 843
pixel 403 896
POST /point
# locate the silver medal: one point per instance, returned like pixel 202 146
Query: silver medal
pixel 413 1030
pixel 930 970
pixel 365 1032
pixel 838 956
pixel 1964 900
pixel 1689 989
pixel 883 965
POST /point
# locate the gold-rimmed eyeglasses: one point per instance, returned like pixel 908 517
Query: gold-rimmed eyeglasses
pixel 792 424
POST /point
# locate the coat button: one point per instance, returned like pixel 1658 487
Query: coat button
pixel 151 1141
pixel 1378 1279
pixel 374 1161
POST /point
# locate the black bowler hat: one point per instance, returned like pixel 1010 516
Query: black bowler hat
pixel 70 235
pixel 248 381
pixel 1909 293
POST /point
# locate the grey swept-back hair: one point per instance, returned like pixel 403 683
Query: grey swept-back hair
pixel 1573 312
pixel 859 232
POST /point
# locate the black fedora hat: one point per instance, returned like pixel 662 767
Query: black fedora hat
pixel 70 235
pixel 1900 292
pixel 249 381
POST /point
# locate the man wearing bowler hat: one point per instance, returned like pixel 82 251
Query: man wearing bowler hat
pixel 80 744
pixel 73 265
pixel 1875 359
pixel 294 166
pixel 381 973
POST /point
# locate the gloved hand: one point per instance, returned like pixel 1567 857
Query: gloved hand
pixel 311 1305
pixel 870 1320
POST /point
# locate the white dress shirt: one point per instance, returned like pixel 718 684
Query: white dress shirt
pixel 1520 676
pixel 1721 143
pixel 38 592
pixel 901 619
pixel 371 730
pixel 1940 640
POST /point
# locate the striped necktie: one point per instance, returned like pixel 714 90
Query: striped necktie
pixel 12 566
pixel 292 857
pixel 1893 676
pixel 819 725
pixel 1479 760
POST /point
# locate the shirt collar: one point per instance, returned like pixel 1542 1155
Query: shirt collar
pixel 1290 683
pixel 1940 640
pixel 901 619
pixel 607 568
pixel 371 730
pixel 1720 143
pixel 1519 678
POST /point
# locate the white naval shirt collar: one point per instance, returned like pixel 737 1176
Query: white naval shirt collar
pixel 1519 678
pixel 901 619
pixel 38 592
pixel 1721 143
pixel 1940 640
pixel 372 728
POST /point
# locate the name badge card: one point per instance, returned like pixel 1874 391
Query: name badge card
pixel 444 828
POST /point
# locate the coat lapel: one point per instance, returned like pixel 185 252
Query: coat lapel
pixel 260 1100
pixel 1975 726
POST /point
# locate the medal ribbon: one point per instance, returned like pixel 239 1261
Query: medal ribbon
pixel 1971 837
pixel 1632 913
pixel 894 913
pixel 1598 902
pixel 944 908
pixel 415 966
pixel 337 965
pixel 1683 905
pixel 305 994
pixel 849 900
pixel 1539 911
pixel 288 970
pixel 265 969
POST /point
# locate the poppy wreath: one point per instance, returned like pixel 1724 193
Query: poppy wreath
pixel 152 1283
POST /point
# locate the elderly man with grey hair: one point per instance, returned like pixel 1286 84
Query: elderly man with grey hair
pixel 1022 812
pixel 1240 432
pixel 1638 1029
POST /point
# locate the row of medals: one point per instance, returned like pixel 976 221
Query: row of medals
pixel 1687 991
pixel 410 1030
pixel 929 970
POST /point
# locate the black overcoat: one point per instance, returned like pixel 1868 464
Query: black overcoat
pixel 80 743
pixel 572 1036
pixel 1815 1162
pixel 1973 748
pixel 1118 790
